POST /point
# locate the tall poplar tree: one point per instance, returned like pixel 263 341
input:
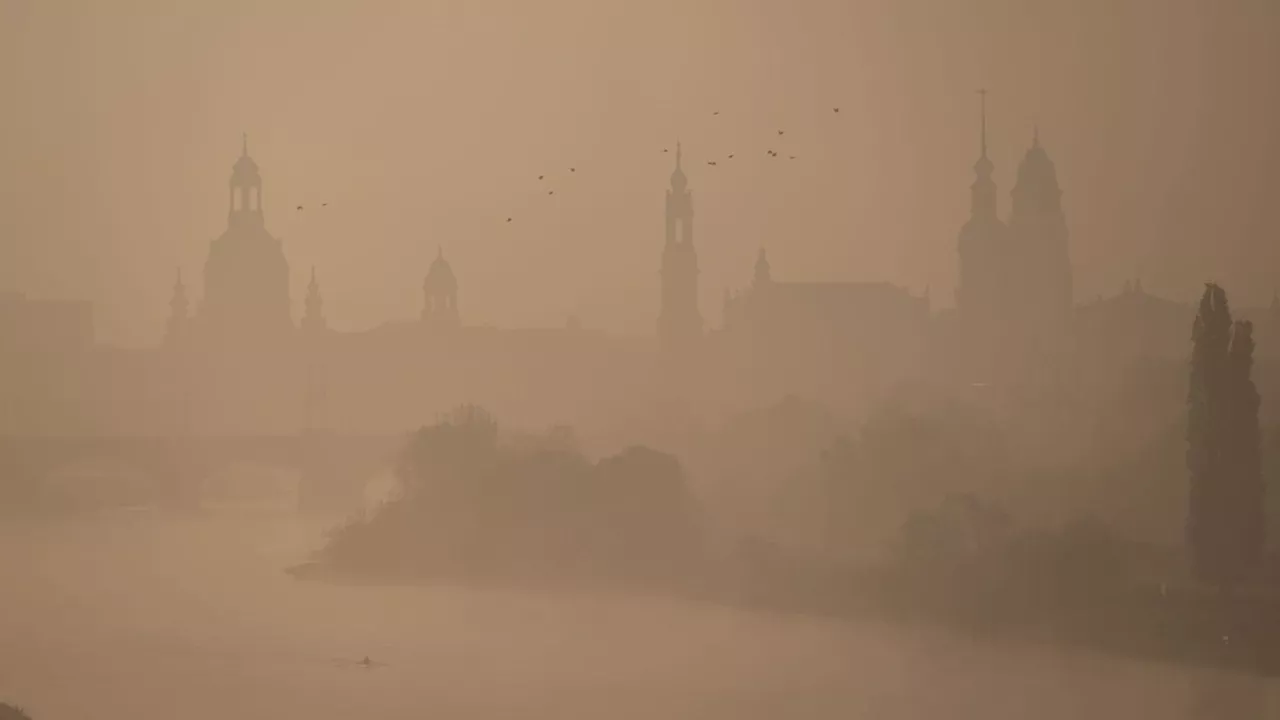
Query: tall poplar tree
pixel 1225 525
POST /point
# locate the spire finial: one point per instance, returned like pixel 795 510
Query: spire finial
pixel 679 152
pixel 313 274
pixel 244 144
pixel 982 93
pixel 439 252
pixel 179 274
pixel 1035 134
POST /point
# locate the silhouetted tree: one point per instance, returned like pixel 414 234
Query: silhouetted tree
pixel 475 507
pixel 1225 514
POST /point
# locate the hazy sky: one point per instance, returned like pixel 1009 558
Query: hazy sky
pixel 426 124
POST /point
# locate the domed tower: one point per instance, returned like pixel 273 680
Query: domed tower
pixel 983 243
pixel 440 293
pixel 679 321
pixel 1038 227
pixel 246 275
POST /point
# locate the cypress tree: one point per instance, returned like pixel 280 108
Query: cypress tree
pixel 1225 526
pixel 1248 494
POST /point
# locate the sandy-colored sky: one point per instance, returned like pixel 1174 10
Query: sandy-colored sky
pixel 427 123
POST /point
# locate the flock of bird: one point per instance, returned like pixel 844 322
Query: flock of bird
pixel 711 163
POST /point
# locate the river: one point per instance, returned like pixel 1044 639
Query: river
pixel 141 615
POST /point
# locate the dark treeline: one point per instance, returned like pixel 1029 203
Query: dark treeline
pixel 473 507
pixel 933 508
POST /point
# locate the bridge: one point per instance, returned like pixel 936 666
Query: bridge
pixel 333 469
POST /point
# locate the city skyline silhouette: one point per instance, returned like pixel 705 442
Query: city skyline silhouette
pixel 640 358
pixel 877 199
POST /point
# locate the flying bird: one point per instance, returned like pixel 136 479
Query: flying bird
pixel 793 157
pixel 299 207
pixel 716 112
pixel 779 132
pixel 540 177
pixel 508 219
pixel 711 162
pixel 835 109
pixel 551 192
pixel 730 156
pixel 664 149
pixel 573 169
pixel 324 204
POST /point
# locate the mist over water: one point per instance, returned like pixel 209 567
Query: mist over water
pixel 134 614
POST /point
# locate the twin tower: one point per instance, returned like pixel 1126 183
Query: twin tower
pixel 1015 276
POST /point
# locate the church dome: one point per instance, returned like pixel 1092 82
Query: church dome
pixel 1036 189
pixel 441 273
pixel 1036 169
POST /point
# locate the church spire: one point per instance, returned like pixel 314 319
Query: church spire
pixel 983 190
pixel 246 189
pixel 313 320
pixel 983 94
pixel 762 276
pixel 179 312
pixel 679 182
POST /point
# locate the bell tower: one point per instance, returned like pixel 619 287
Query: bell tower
pixel 679 321
pixel 440 294
pixel 245 201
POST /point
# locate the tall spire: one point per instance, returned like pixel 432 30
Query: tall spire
pixel 244 144
pixel 983 94
pixel 313 320
pixel 983 191
pixel 679 182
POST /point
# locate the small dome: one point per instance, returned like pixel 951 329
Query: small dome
pixel 440 274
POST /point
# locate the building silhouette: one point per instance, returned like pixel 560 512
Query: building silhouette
pixel 1038 230
pixel 679 320
pixel 1014 302
pixel 440 295
pixel 176 329
pixel 235 361
pixel 313 321
pixel 986 270
pixel 246 275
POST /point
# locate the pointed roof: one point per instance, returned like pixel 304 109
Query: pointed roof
pixel 245 164
pixel 1036 173
pixel 440 271
pixel 679 182
pixel 178 302
pixel 762 267
pixel 983 167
